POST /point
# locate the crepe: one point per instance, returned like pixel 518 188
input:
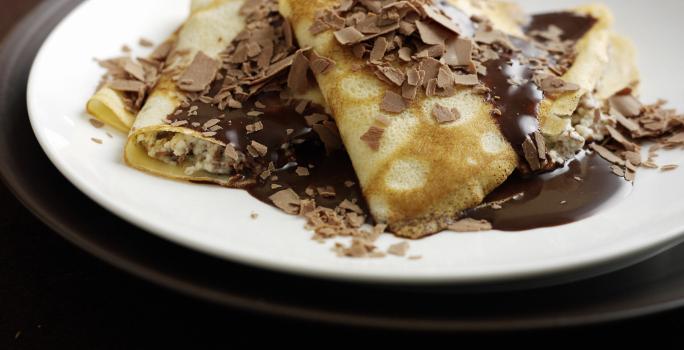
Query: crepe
pixel 423 174
pixel 179 134
pixel 210 27
pixel 109 105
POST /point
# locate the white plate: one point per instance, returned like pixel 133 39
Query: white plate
pixel 217 221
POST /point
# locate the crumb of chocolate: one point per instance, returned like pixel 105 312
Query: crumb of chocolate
pixel 399 249
pixel 393 103
pixel 145 42
pixel 287 200
pixel 297 79
pixel 96 140
pixel 254 216
pixel 96 123
pixel 320 64
pixel 302 171
pixel 348 205
pixel 326 191
pixel 252 128
pixel 607 154
pixel 260 148
pixel 372 137
pixel 444 115
pixel 199 74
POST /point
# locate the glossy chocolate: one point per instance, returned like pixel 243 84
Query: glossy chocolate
pixel 580 189
pixel 301 147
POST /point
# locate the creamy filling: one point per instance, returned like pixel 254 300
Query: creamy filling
pixel 584 126
pixel 192 153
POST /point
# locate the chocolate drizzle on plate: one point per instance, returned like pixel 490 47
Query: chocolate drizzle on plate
pixel 569 194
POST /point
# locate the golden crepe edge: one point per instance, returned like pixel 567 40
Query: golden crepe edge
pixel 424 174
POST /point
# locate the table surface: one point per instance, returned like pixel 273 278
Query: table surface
pixel 54 296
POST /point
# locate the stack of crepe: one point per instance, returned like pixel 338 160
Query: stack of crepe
pixel 417 175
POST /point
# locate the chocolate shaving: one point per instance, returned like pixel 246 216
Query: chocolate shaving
pixel 348 36
pixel 466 80
pixel 432 33
pixel 393 75
pixel 96 123
pixel 444 115
pixel 531 154
pixel 372 137
pixel 554 85
pixel 399 249
pixel 199 74
pixel 287 200
pixel 458 52
pixel 393 103
pixel 379 50
pixel 261 149
pixel 320 64
pixel 126 85
pixel 626 104
pixel 607 154
pixel 617 136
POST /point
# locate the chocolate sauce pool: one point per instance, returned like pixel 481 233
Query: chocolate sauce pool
pixel 580 189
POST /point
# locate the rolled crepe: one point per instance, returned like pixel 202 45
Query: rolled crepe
pixel 586 72
pixel 198 152
pixel 605 63
pixel 209 29
pixel 423 174
pixel 109 105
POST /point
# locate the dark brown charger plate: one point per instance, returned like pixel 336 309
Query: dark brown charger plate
pixel 648 287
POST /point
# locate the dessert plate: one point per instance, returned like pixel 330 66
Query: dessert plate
pixel 219 222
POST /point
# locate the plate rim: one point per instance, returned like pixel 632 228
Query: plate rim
pixel 7 176
pixel 576 263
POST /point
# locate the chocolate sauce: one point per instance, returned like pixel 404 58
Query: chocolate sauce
pixel 302 147
pixel 580 189
pixel 278 116
pixel 574 26
pixel 512 89
pixel 516 96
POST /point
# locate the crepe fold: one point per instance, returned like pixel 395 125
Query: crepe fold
pixel 423 174
pixel 418 174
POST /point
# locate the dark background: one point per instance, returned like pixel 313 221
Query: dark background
pixel 53 296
